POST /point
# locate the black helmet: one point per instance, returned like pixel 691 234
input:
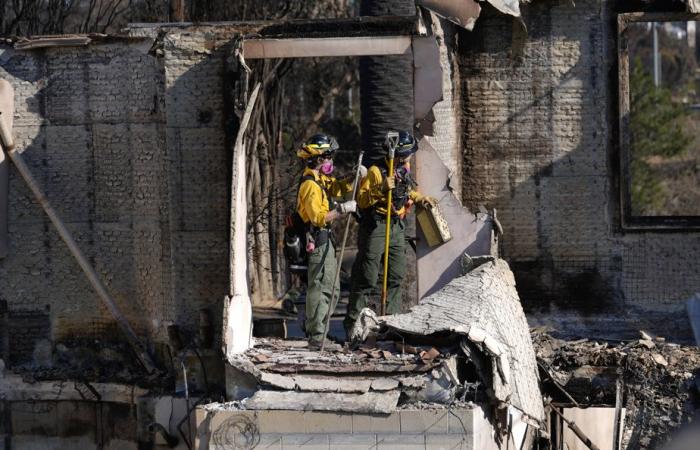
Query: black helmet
pixel 317 145
pixel 406 144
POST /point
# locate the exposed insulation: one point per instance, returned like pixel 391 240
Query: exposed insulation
pixel 484 307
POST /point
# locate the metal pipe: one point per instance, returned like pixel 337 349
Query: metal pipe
pixel 618 413
pixel 89 271
pixel 657 56
pixel 187 401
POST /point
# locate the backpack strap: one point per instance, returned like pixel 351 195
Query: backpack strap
pixel 312 178
pixel 323 189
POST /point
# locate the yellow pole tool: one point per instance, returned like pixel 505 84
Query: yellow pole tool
pixel 392 140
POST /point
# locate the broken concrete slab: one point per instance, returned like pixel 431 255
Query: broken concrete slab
pixel 276 380
pixel 370 402
pixel 384 384
pixel 332 384
pixel 484 298
pixel 285 367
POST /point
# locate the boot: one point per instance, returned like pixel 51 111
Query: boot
pixel 315 344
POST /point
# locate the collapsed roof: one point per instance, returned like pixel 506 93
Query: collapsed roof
pixel 475 323
pixel 483 309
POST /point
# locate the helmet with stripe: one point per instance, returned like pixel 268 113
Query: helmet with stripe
pixel 406 145
pixel 318 145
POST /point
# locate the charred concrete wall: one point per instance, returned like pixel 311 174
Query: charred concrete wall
pixel 128 143
pixel 68 424
pixel 539 135
pixel 446 139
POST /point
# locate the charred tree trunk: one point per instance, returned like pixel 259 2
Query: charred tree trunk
pixel 386 87
pixel 386 84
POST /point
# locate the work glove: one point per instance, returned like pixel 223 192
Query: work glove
pixel 388 184
pixel 347 207
pixel 362 171
pixel 427 201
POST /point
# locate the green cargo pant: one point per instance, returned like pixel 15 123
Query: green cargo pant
pixel 369 260
pixel 321 274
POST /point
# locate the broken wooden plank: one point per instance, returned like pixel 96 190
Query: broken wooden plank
pixel 384 384
pixel 326 47
pixel 68 40
pixel 369 403
pixel 416 382
pixel 277 380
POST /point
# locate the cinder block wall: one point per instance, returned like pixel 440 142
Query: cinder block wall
pixel 539 135
pixel 463 429
pixel 129 147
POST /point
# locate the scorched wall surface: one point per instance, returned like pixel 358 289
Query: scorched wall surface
pixel 540 145
pixel 128 144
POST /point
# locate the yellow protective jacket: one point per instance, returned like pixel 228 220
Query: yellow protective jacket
pixel 312 202
pixel 370 194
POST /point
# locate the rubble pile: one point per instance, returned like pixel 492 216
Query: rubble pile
pixel 660 381
pixel 376 378
pixel 467 342
pixel 84 360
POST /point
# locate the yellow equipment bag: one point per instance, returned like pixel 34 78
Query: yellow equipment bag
pixel 434 225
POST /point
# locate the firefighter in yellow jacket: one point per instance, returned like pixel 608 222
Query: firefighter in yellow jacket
pixel 317 208
pixel 372 202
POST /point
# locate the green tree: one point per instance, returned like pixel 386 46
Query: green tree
pixel 656 125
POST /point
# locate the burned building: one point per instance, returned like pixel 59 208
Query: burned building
pixel 131 138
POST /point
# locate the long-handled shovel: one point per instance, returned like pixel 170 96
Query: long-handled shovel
pixel 392 139
pixel 340 256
